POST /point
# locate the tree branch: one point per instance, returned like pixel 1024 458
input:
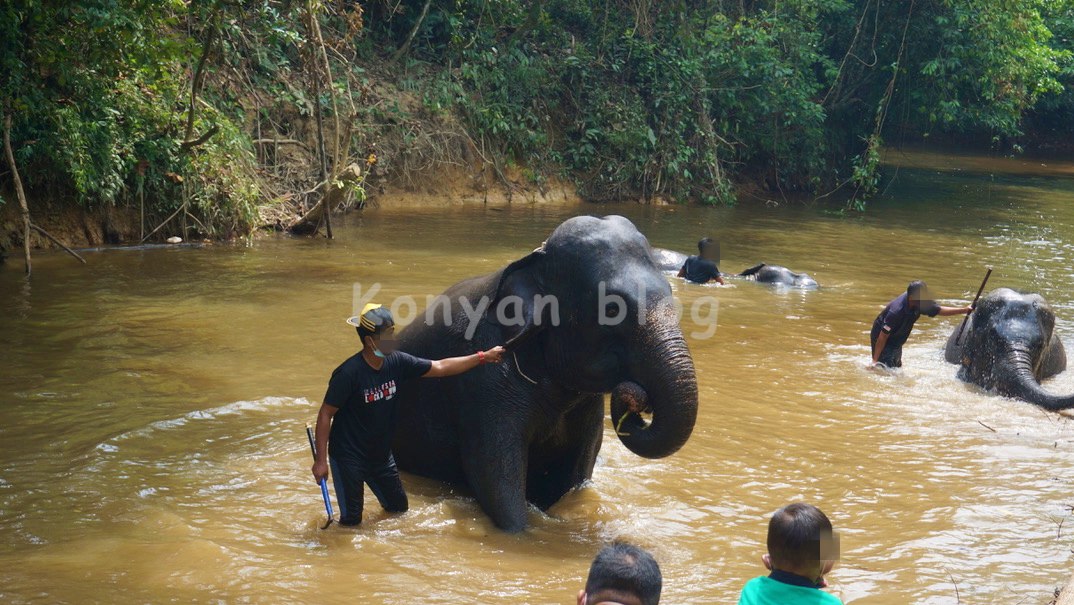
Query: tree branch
pixel 188 145
pixel 57 242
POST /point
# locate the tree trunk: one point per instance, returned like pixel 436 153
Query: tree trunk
pixel 315 55
pixel 195 85
pixel 26 225
pixel 413 32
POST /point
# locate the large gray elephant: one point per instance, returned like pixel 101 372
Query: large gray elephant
pixel 529 430
pixel 1010 346
pixel 670 260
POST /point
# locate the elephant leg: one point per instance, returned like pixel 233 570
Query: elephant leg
pixel 494 462
pixel 565 461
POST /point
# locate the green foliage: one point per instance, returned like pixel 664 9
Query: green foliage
pixel 990 62
pixel 677 100
pixel 865 175
pixel 97 96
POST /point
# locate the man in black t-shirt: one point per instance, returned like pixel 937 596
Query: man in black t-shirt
pixel 702 269
pixel 356 422
pixel 893 326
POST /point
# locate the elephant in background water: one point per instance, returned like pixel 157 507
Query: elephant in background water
pixel 1010 346
pixel 529 430
pixel 669 260
pixel 779 276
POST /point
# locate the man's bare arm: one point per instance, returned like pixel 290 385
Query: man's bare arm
pixel 881 342
pixel 450 366
pixel 955 310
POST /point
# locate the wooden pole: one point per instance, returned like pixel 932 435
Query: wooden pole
pixel 974 305
pixel 26 225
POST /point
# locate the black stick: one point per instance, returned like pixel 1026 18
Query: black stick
pixel 973 306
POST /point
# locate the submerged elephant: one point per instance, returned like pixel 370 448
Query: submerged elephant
pixel 1009 346
pixel 669 260
pixel 529 430
pixel 779 276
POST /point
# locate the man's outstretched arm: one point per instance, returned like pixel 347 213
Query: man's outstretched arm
pixel 955 310
pixel 450 366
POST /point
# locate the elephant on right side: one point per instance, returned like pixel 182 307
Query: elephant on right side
pixel 1009 346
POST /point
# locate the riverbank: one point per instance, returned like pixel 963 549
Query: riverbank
pixel 79 227
pixel 464 183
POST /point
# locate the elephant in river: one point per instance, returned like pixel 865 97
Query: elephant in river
pixel 528 430
pixel 669 260
pixel 1009 346
pixel 779 276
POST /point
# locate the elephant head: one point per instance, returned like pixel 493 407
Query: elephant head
pixel 1009 345
pixel 597 316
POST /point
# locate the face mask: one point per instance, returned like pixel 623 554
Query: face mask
pixel 378 352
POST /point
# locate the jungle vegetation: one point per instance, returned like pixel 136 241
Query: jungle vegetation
pixel 229 114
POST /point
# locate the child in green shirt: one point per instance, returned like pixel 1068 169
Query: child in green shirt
pixel 801 550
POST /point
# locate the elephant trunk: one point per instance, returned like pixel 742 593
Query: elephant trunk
pixel 1024 384
pixel 663 383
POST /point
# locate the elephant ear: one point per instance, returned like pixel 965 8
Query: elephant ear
pixel 512 307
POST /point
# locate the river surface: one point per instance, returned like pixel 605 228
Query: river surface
pixel 153 404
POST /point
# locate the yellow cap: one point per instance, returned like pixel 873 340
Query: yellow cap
pixel 368 320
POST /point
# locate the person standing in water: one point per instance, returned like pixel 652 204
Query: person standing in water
pixel 356 422
pixel 893 326
pixel 702 269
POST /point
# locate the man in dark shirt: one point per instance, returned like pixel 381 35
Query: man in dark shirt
pixel 702 269
pixel 356 422
pixel 894 324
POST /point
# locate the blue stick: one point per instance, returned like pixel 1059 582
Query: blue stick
pixel 327 501
pixel 324 484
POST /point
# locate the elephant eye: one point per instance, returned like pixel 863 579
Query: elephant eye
pixel 613 310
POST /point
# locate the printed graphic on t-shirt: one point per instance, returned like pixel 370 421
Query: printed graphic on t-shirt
pixel 380 393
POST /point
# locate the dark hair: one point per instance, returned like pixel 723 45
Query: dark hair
pixel 915 288
pixel 626 569
pixel 794 536
pixel 380 318
pixel 704 244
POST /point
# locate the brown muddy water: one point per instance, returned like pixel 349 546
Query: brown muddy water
pixel 152 407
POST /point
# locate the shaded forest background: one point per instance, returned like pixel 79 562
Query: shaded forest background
pixel 227 115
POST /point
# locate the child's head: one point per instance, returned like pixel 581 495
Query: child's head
pixel 801 541
pixel 624 574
